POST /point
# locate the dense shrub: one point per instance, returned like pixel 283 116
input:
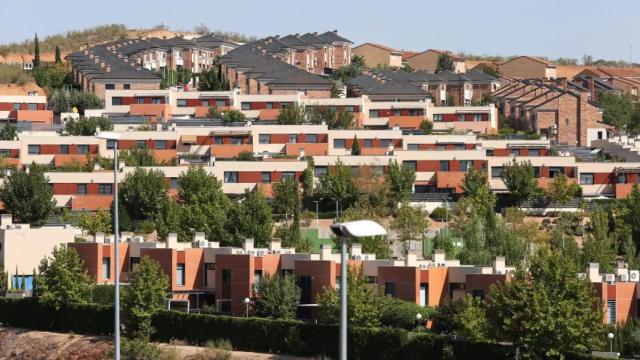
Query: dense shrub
pixel 439 214
pixel 402 314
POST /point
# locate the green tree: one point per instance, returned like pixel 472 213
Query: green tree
pixel 292 115
pixel 355 148
pixel 445 63
pixel 57 75
pixel 337 185
pixel 545 310
pixel 145 296
pixel 427 127
pixel 520 180
pixel 631 213
pixel 230 116
pixel 473 320
pixel 27 195
pixel 475 187
pixel 599 246
pixel 92 223
pixel 58 56
pixel 246 156
pixel 410 223
pixel 407 68
pixel 210 81
pixel 63 278
pixel 400 179
pixel 143 193
pixel 278 297
pixel 87 126
pixel 343 120
pixel 256 220
pixel 618 110
pixel 184 75
pixel 36 52
pixel 475 250
pixel 561 190
pixel 285 194
pixel 8 132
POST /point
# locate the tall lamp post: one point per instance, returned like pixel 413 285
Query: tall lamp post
pixel 610 337
pixel 112 137
pixel 352 229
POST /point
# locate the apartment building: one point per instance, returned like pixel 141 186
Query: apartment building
pixel 378 55
pixel 528 67
pixel 625 80
pixel 25 108
pixel 559 110
pixel 427 61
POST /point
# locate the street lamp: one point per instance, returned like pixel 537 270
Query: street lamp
pixel 114 137
pixel 352 229
pixel 418 320
pixel 317 214
pixel 610 337
pixel 246 306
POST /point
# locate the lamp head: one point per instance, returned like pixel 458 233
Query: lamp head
pixel 358 229
pixel 107 135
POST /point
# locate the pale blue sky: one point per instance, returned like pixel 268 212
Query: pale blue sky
pixel 554 28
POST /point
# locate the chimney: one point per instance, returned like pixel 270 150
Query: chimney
pixel 499 265
pixel 248 244
pixel 108 68
pixel 6 219
pixel 325 252
pixel 593 272
pixel 275 244
pixel 90 54
pixel 564 84
pixel 410 258
pixel 172 241
pixel 199 236
pixel 592 88
pixel 99 238
pixel 97 59
pixel 438 257
pixel 86 52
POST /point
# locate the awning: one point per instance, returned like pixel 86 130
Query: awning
pixel 180 297
pixel 189 139
pixel 635 170
pixel 526 145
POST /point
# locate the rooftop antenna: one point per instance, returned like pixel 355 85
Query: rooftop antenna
pixel 631 54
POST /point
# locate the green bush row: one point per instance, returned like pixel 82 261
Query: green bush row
pixel 28 313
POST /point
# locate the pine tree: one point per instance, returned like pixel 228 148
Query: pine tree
pixel 58 57
pixel 36 53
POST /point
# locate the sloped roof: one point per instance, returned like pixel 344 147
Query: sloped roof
pixel 451 55
pixel 532 58
pixel 386 48
pixel 333 37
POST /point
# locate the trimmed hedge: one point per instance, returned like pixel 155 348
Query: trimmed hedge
pixel 28 313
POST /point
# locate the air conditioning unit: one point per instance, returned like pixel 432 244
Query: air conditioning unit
pixel 610 278
pixel 634 275
pixel 623 277
pixel 582 276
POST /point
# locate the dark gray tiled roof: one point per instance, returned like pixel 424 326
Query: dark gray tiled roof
pixel 119 68
pixel 333 37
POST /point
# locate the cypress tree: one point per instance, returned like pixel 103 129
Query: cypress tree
pixel 58 57
pixel 355 148
pixel 36 53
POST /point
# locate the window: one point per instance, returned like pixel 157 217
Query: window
pixel 413 165
pixel 32 106
pixel 16 106
pixel 566 122
pixel 555 171
pixel 161 144
pixel 231 177
pixel 110 86
pixel 236 140
pixel 106 267
pixel 180 275
pixel 600 135
pixel 293 139
pixel 204 103
pixel 134 261
pixel 220 103
pixel 64 149
pixel 444 165
pixel 460 117
pixel 269 105
pixel 477 117
pixel 349 109
pixel 257 277
pixel 489 152
pixel 265 176
pixel 396 112
pixel 536 172
pixel 611 312
pixel 226 276
pixel 111 144
pixel 621 179
pixel 478 294
pixel 141 144
pixel 319 171
pixel 156 100
pixel 105 189
pixel 126 86
pixel 312 138
pixel 182 102
pixel 413 147
pixel 217 141
pixel 586 179
pixel 140 100
pixel 534 152
pixel 173 183
pixel 116 100
pixel 458 146
pixel 81 189
pixel 515 152
pixel 385 142
pixel 368 143
pixel 390 288
pixel 245 106
pixel 373 114
pixel 83 149
pixel 34 149
pixel 4 153
pixel 441 147
pixel 264 139
pixel 437 117
pixel 466 165
pixel 208 267
pixel 284 105
pixel 338 143
pixel 496 171
pixel 288 175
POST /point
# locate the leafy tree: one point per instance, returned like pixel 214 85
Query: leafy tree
pixel 400 179
pixel 427 127
pixel 256 220
pixel 92 223
pixel 599 246
pixel 472 320
pixel 145 296
pixel 87 126
pixel 8 132
pixel 631 213
pixel 196 186
pixel 407 68
pixel 28 196
pixel 64 100
pixel 473 232
pixel 63 278
pixel 475 187
pixel 292 115
pixel 211 80
pixel 184 75
pixel 246 156
pixel 230 116
pixel 354 69
pixel 292 238
pixel 410 223
pixel 285 194
pixel 58 57
pixel 445 62
pixel 4 278
pixel 402 314
pixel 521 182
pixel 545 310
pixel 618 110
pixel 308 179
pixel 355 148
pixel 561 190
pixel 444 319
pixel 365 303
pixel 278 298
pixel 337 184
pixel 213 113
pixel 36 52
pixel 124 221
pixel 143 193
pixel 57 75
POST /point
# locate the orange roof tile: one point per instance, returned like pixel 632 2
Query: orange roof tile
pixel 91 202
